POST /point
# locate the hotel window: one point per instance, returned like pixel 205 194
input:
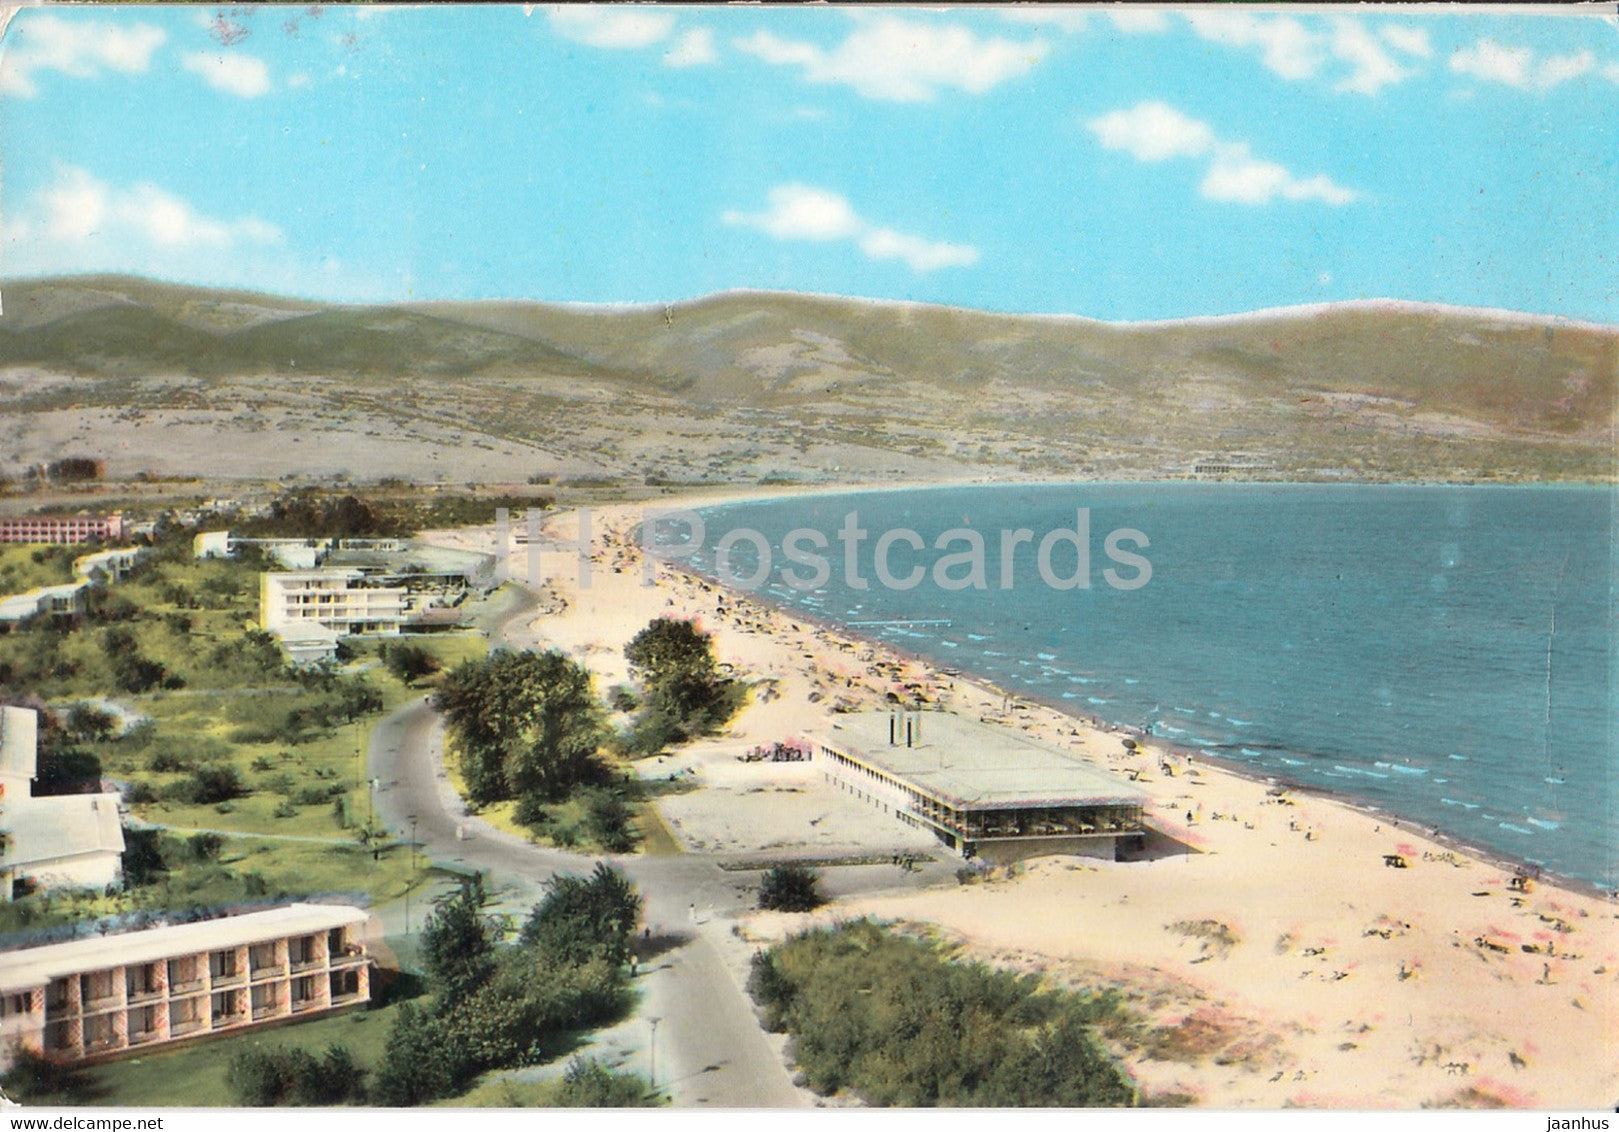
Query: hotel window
pixel 56 995
pixel 13 1005
pixel 345 983
pixel 261 956
pixel 303 949
pixel 221 964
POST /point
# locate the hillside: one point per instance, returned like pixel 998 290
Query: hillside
pixel 748 385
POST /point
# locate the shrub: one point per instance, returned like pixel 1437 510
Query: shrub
pixel 205 846
pixel 206 785
pixel 266 1076
pixel 790 888
pixel 587 1083
pixel 410 663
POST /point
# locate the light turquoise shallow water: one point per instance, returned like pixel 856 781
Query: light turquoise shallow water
pixel 1444 652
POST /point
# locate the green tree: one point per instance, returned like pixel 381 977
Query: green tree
pixel 528 724
pixel 790 888
pixel 409 663
pixel 458 942
pixel 583 917
pixel 686 693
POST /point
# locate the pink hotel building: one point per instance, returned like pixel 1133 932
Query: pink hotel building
pixel 92 999
pixel 63 528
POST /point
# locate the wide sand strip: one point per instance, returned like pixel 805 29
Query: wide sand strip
pixel 1302 967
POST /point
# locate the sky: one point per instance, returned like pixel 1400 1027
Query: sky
pixel 1126 165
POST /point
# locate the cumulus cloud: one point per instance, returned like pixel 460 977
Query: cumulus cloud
pixel 1156 131
pixel 1373 68
pixel 901 60
pixel 83 49
pixel 611 26
pixel 78 216
pixel 232 72
pixel 1413 41
pixel 804 212
pixel 1294 50
pixel 1491 61
pixel 692 49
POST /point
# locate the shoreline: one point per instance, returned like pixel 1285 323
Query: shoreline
pixel 1393 815
pixel 1188 753
pixel 1267 922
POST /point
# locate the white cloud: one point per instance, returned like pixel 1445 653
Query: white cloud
pixel 1156 131
pixel 902 60
pixel 692 49
pixel 1238 177
pixel 1491 61
pixel 804 212
pixel 1611 72
pixel 920 254
pixel 1413 41
pixel 232 72
pixel 1285 46
pixel 82 49
pixel 1139 21
pixel 611 26
pixel 1153 131
pixel 79 216
pixel 1374 67
pixel 1295 50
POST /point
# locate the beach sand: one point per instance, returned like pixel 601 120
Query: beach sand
pixel 1266 954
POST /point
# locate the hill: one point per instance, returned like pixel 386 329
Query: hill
pixel 748 385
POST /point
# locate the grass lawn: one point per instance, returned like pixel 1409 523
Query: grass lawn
pixel 24 568
pixel 194 1076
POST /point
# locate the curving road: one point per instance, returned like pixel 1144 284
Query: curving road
pixel 710 1048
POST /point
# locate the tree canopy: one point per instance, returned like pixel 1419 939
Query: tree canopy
pixel 528 724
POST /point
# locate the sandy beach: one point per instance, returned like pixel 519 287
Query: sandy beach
pixel 1266 953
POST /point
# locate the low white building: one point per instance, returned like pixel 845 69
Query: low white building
pixel 345 602
pixel 57 841
pixel 66 600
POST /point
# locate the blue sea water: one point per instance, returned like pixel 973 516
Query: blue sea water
pixel 1446 653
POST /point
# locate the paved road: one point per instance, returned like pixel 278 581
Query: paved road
pixel 710 1048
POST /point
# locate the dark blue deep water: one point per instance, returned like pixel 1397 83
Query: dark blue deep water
pixel 1446 653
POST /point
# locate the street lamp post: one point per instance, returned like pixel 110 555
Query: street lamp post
pixel 411 881
pixel 653 1052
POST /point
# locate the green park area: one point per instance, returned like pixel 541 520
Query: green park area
pixel 245 779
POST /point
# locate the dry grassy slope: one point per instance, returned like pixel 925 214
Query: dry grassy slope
pixel 1380 389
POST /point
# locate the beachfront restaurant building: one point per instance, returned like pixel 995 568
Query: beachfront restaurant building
pixel 105 996
pixel 986 791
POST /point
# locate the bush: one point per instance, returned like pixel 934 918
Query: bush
pixel 608 820
pixel 897 1022
pixel 266 1076
pixel 205 846
pixel 207 785
pixel 790 888
pixel 409 663
pixel 587 1083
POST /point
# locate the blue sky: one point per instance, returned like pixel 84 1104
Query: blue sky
pixel 1128 165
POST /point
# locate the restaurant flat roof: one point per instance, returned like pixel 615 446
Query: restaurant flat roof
pixel 973 765
pixel 37 966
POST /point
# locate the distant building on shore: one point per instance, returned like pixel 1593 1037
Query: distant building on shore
pixel 99 998
pixel 63 529
pixel 56 841
pixel 986 791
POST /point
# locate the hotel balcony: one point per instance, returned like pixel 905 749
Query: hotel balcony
pixel 190 1026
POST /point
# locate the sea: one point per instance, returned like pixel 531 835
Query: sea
pixel 1445 654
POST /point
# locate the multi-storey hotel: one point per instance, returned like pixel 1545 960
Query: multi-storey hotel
pixel 62 528
pixel 91 999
